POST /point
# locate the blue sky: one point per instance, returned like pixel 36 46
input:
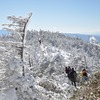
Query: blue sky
pixel 68 16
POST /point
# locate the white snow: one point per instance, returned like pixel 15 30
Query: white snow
pixel 8 95
pixel 44 79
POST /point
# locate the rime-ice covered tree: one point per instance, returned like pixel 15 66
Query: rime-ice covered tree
pixel 93 40
pixel 19 25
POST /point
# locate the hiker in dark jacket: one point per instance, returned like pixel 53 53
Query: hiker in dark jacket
pixel 72 76
pixel 67 70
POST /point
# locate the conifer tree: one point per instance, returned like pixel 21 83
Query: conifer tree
pixel 19 25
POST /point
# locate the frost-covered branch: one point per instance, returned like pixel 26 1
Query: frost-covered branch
pixel 19 25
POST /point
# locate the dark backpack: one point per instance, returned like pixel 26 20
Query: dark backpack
pixel 72 74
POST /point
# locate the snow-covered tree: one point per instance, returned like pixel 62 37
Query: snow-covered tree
pixel 19 25
pixel 44 65
pixel 93 40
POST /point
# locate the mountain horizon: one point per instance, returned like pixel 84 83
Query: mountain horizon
pixel 84 37
pixel 85 33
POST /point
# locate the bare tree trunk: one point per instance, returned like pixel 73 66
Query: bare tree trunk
pixel 23 39
pixel 23 69
pixel 22 53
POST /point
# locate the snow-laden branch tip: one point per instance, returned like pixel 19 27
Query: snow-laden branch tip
pixel 14 31
pixel 30 14
pixel 10 25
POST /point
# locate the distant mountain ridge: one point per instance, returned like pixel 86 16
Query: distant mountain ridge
pixel 84 37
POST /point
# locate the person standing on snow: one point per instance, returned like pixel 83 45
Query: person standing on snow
pixel 84 75
pixel 73 76
pixel 67 69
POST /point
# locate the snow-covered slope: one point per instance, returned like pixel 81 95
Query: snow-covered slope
pixel 44 64
pixel 47 81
